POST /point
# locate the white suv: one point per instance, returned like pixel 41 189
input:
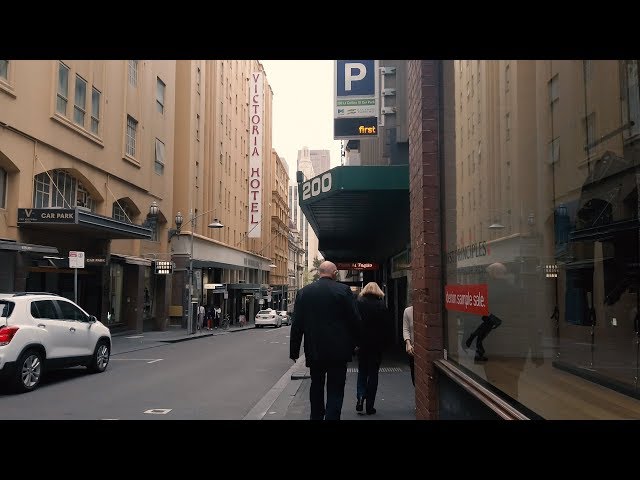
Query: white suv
pixel 40 331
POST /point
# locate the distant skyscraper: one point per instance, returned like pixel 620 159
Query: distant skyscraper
pixel 310 240
pixel 320 160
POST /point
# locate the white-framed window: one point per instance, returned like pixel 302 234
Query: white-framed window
pixel 95 110
pixel 80 105
pixel 132 129
pixel 133 73
pixel 122 212
pixel 62 97
pixel 3 187
pixel 160 89
pixel 159 157
pixel 66 191
pixel 4 69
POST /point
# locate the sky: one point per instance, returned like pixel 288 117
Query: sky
pixel 302 108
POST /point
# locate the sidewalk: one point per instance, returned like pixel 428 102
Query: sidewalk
pixel 123 342
pixel 395 399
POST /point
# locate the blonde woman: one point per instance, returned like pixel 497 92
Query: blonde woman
pixel 376 327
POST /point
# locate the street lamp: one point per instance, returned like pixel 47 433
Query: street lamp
pixel 179 221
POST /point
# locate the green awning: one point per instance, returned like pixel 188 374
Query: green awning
pixel 359 213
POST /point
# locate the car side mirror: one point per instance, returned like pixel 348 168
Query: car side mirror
pixel 92 319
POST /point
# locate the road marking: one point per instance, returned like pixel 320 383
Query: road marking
pixel 287 336
pixel 135 336
pixel 274 342
pixel 158 411
pixel 110 419
pixel 271 413
pixel 148 360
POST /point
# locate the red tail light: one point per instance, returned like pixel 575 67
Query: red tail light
pixel 6 334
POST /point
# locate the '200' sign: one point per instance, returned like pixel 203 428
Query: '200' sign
pixel 316 186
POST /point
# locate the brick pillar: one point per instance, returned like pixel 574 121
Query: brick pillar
pixel 425 123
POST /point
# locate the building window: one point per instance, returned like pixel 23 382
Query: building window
pixel 3 188
pixel 159 157
pixel 160 95
pixel 66 192
pixel 122 212
pixel 132 128
pixel 133 73
pixel 590 124
pixel 554 150
pixel 554 89
pixel 80 106
pixel 95 110
pixel 507 78
pixel 63 89
pixel 4 69
pixel 588 66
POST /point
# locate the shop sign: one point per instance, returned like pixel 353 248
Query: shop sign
pixel 47 215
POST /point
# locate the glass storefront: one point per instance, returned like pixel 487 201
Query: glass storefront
pixel 541 231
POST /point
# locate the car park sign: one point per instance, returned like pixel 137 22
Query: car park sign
pixel 356 99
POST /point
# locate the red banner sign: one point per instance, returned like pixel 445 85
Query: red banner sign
pixel 467 298
pixel 356 266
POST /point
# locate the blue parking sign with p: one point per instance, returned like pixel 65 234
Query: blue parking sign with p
pixel 355 78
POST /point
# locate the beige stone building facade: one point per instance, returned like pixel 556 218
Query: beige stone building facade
pixel 115 150
pixel 86 147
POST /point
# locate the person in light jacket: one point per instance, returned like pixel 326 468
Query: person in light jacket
pixel 407 335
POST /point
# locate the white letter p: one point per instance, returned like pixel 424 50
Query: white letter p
pixel 348 78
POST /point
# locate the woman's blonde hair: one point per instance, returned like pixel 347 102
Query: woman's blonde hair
pixel 373 289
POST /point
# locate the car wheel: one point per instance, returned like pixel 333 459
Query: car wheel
pixel 28 371
pixel 100 358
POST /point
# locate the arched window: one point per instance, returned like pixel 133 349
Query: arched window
pixel 65 192
pixel 122 212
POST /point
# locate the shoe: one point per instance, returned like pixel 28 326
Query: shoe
pixel 371 411
pixel 359 404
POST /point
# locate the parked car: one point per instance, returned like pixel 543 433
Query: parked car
pixel 268 317
pixel 44 331
pixel 284 316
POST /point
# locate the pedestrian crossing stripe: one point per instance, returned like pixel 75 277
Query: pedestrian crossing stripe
pixel 382 370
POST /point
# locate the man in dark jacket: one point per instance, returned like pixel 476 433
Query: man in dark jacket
pixel 325 313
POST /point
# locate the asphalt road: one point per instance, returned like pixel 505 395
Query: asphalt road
pixel 212 378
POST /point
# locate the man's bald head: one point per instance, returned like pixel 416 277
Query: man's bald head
pixel 327 269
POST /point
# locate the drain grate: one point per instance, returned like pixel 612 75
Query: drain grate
pixel 382 370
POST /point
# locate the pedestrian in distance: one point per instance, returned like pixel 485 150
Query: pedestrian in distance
pixel 376 337
pixel 407 336
pixel 326 316
pixel 201 312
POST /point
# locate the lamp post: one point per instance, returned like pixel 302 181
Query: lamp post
pixel 179 221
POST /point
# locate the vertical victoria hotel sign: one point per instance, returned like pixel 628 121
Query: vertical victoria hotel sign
pixel 256 124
